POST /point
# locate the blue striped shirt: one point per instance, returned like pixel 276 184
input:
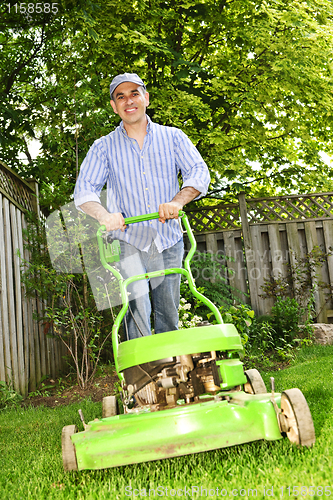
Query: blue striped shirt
pixel 138 181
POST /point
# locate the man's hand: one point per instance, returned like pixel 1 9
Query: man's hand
pixel 169 211
pixel 110 221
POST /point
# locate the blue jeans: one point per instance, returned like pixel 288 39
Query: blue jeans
pixel 165 290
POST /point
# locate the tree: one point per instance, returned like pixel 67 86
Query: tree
pixel 250 82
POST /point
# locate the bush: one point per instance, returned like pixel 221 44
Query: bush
pixel 279 333
pixel 286 316
pixel 70 311
pixel 187 318
pixel 8 397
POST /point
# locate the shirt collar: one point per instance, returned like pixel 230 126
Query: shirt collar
pixel 148 129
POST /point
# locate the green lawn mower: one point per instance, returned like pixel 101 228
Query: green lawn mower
pixel 190 390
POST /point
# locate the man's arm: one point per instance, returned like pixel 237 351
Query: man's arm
pixel 171 209
pixel 97 211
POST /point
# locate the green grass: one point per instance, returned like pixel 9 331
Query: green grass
pixel 31 464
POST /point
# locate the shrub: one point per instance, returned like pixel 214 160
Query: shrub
pixel 70 312
pixel 8 397
pixel 286 316
pixel 187 318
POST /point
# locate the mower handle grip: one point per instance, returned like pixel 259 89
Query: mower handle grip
pixel 141 218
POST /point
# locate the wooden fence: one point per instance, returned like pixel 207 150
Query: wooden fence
pixel 26 354
pixel 260 237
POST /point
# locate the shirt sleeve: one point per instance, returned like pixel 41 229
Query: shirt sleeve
pixel 194 170
pixel 92 177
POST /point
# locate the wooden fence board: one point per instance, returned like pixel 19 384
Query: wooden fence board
pixel 32 377
pixel 43 355
pixel 294 246
pixel 325 273
pixel 277 260
pixel 328 241
pixel 5 364
pixel 235 262
pixel 25 317
pixel 10 296
pixel 211 243
pixel 261 271
pixel 249 254
pixel 17 299
pixel 328 238
pixel 316 275
pixel 266 270
pixel 36 342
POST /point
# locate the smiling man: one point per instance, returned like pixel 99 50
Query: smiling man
pixel 139 163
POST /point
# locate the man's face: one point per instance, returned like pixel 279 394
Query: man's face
pixel 129 102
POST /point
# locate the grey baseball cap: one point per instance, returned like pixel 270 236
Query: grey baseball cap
pixel 125 77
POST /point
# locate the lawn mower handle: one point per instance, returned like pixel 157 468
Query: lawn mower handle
pixel 186 272
pixel 142 218
pixel 155 215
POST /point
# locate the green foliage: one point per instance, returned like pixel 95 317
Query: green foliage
pixel 262 336
pixel 241 316
pixel 300 282
pixel 70 312
pixel 187 316
pixel 8 397
pixel 286 315
pixel 279 334
pixel 250 82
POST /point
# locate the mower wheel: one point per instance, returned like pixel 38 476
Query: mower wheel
pixel 68 449
pixel 298 418
pixel 109 407
pixel 255 383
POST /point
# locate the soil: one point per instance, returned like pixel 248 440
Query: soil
pixel 53 393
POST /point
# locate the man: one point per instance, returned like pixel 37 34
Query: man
pixel 140 162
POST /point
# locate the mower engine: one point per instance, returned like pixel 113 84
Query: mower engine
pixel 160 384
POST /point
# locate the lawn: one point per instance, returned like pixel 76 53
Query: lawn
pixel 31 464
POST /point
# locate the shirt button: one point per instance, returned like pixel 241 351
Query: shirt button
pixel 144 173
pixel 148 206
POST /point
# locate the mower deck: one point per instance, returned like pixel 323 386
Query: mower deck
pixel 207 425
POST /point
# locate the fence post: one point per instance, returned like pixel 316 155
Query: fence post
pixel 249 253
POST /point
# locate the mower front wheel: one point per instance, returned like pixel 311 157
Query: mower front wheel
pixel 109 407
pixel 297 416
pixel 68 450
pixel 255 383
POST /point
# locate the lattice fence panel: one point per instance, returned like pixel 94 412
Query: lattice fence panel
pixel 15 188
pixel 290 208
pixel 219 218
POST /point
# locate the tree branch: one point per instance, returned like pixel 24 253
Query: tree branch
pixel 24 63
